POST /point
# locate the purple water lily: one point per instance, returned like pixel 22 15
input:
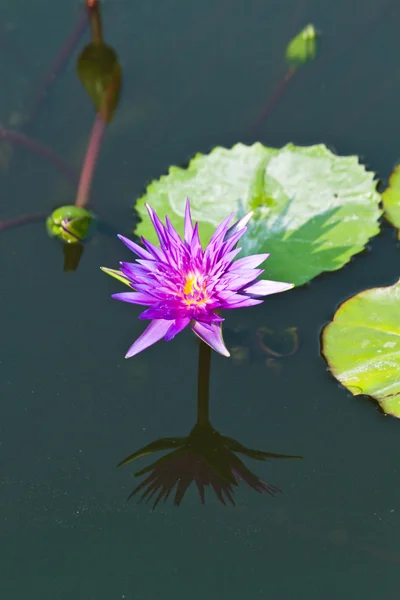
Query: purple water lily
pixel 185 285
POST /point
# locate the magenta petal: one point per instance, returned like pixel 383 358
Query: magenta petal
pixel 241 303
pixel 177 326
pixel 154 251
pixel 188 223
pixel 136 248
pixel 265 287
pixel 174 235
pixel 211 335
pixel 180 284
pixel 158 313
pixel 154 332
pixel 238 226
pixel 221 230
pixel 248 262
pixel 135 298
pixel 195 245
pixel 158 226
pixel 231 242
pixel 236 282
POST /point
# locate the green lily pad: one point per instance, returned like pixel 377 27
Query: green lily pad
pixel 362 346
pixel 391 200
pixel 313 210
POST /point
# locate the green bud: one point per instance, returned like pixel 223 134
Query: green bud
pixel 101 76
pixel 303 47
pixel 69 223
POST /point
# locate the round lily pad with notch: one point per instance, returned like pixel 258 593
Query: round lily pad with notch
pixel 313 210
pixel 362 346
pixel 391 200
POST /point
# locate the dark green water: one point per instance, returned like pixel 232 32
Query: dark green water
pixel 195 75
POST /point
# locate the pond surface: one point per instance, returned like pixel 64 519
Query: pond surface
pixel 196 75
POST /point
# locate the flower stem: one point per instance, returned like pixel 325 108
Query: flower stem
pixel 276 96
pixel 44 151
pixel 95 23
pixel 203 384
pixel 24 220
pixel 89 164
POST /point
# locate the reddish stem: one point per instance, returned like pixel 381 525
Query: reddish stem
pixel 24 220
pixel 58 64
pixel 89 164
pixel 276 96
pixel 44 151
pixel 95 23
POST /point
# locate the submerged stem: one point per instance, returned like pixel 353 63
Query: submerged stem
pixel 203 384
pixel 44 151
pixel 276 96
pixel 89 164
pixel 24 220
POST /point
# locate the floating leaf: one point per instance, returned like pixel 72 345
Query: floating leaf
pixel 313 210
pixel 303 47
pixel 391 200
pixel 362 345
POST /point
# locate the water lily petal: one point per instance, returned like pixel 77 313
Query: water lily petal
pixel 135 298
pixel 211 335
pixel 248 262
pixel 238 226
pixel 180 284
pixel 242 303
pixel 188 223
pixel 158 226
pixel 136 248
pixel 195 244
pixel 221 231
pixel 154 332
pixel 266 287
pixel 160 311
pixel 177 326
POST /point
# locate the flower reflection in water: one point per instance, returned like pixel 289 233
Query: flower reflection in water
pixel 204 457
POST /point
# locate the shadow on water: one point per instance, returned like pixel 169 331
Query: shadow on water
pixel 204 457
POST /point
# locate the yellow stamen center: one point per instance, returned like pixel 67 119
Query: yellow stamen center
pixel 189 284
pixel 194 290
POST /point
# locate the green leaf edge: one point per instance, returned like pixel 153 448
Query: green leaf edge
pixel 392 207
pixel 190 169
pixel 353 389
